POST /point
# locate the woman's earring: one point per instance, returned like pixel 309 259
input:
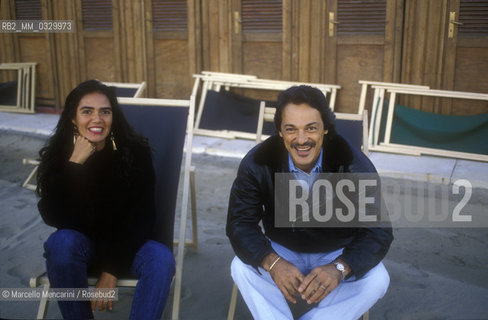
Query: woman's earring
pixel 114 146
pixel 75 133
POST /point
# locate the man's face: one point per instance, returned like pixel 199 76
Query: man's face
pixel 302 130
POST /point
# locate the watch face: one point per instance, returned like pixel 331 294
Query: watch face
pixel 340 267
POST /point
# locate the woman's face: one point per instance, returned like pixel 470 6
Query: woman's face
pixel 94 118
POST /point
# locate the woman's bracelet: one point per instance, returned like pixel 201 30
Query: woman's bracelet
pixel 273 264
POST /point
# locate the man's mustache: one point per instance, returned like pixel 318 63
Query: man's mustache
pixel 310 144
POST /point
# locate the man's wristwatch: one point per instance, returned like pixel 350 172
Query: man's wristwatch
pixel 339 266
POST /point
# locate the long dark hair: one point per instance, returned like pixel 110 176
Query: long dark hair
pixel 59 147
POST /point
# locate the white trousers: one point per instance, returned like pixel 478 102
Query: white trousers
pixel 351 299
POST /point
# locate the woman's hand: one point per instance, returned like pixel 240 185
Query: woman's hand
pixel 83 150
pixel 106 281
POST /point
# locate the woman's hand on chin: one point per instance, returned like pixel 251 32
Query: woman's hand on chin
pixel 82 151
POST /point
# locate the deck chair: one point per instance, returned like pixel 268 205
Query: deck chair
pixel 127 90
pixel 378 100
pixel 353 127
pixel 266 114
pixel 19 95
pixel 163 122
pixel 217 100
pixel 404 130
pixel 27 184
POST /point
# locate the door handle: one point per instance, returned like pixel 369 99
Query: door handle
pixel 332 23
pixel 452 23
pixel 237 22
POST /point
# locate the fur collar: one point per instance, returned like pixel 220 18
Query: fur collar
pixel 272 152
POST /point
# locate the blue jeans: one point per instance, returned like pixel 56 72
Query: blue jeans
pixel 69 253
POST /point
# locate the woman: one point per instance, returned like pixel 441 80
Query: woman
pixel 96 183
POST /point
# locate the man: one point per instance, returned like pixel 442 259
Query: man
pixel 337 270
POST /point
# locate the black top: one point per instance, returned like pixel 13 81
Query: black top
pixel 252 200
pixel 116 213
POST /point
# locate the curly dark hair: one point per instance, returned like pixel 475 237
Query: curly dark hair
pixel 59 147
pixel 311 96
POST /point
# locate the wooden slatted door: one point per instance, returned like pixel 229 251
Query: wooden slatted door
pixel 467 54
pixel 30 47
pixel 168 29
pixel 362 41
pixel 445 47
pixel 257 34
pixel 97 44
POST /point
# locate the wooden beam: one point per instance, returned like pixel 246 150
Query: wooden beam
pixel 436 152
pixel 441 93
pixel 286 55
pixel 153 102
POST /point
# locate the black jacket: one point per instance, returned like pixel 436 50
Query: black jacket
pixel 252 200
pixel 116 213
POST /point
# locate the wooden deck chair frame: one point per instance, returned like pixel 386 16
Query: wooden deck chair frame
pixel 228 75
pixel 388 146
pixel 377 85
pixel 378 100
pixel 26 87
pixel 28 182
pixel 267 114
pixel 139 86
pixel 188 190
pixel 216 80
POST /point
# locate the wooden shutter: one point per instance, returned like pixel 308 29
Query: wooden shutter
pixel 262 16
pixel 361 16
pixel 169 15
pixel 473 14
pixel 28 10
pixel 97 14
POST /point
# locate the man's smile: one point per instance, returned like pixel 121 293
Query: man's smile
pixel 303 150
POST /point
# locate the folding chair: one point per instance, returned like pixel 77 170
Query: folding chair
pixel 377 103
pixel 26 87
pixel 386 124
pixel 28 182
pixel 353 127
pixel 266 114
pixel 127 90
pixel 208 124
pixel 164 123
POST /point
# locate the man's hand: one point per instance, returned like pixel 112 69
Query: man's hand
pixel 286 276
pixel 82 151
pixel 106 281
pixel 319 283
